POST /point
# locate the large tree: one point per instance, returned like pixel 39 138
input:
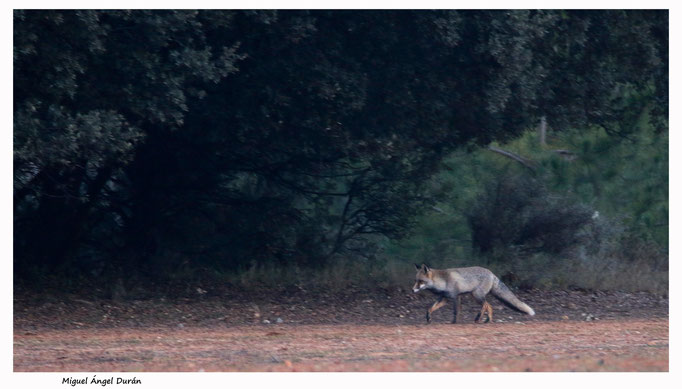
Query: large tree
pixel 89 86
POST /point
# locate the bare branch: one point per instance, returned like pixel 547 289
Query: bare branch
pixel 523 161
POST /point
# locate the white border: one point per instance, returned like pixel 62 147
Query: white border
pixel 334 380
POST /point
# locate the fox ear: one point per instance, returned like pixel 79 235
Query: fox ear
pixel 426 268
pixel 417 266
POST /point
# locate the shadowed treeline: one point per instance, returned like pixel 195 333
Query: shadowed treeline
pixel 154 144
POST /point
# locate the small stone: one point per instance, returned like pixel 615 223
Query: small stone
pixel 279 320
pixel 266 321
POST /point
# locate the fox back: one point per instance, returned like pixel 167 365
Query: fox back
pixel 453 280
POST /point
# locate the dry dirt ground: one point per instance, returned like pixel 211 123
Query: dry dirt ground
pixel 306 331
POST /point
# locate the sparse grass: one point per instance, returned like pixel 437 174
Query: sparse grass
pixel 537 271
pixel 543 272
pixel 335 276
pixel 633 273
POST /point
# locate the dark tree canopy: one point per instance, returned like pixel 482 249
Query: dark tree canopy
pixel 159 139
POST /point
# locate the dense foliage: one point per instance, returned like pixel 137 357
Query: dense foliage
pixel 592 211
pixel 159 140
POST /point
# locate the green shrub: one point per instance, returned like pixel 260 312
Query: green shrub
pixel 518 212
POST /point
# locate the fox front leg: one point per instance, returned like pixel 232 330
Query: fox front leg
pixel 441 301
pixel 458 308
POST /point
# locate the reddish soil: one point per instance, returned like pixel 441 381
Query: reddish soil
pixel 306 331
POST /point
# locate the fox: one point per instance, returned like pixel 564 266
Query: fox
pixel 452 283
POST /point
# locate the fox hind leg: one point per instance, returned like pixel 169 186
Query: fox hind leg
pixel 489 312
pixel 486 310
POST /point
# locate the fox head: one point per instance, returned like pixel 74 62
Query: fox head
pixel 424 278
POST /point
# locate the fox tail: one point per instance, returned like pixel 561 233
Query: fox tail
pixel 504 294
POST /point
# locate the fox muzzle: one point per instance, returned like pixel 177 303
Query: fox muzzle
pixel 417 287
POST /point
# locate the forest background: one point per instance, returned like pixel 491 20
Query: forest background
pixel 337 148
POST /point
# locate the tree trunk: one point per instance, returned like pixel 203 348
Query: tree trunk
pixel 542 131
